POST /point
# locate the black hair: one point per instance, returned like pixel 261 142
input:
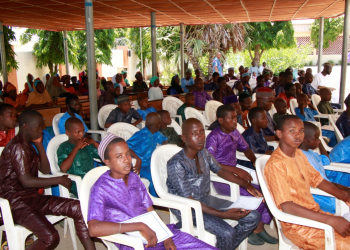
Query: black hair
pixel 142 98
pixel 188 95
pixel 162 112
pixel 70 98
pixel 288 73
pixel 70 121
pixel 259 77
pixel 220 79
pixel 288 86
pixel 114 141
pixel 284 119
pixel 243 96
pixel 281 74
pixel 222 111
pixel 216 74
pixel 309 129
pixel 254 112
pixel 5 106
pixel 28 116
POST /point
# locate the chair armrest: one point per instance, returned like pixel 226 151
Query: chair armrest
pixel 177 116
pixel 274 144
pixel 100 132
pixel 124 239
pixel 186 214
pixel 63 190
pixel 322 116
pixel 320 192
pixel 241 156
pixel 339 167
pixel 234 188
pixel 339 110
pixel 6 213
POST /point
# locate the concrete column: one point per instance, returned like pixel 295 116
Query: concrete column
pixel 141 50
pixel 344 58
pixel 3 54
pixel 90 42
pixel 65 45
pixel 154 43
pixel 182 50
pixel 320 45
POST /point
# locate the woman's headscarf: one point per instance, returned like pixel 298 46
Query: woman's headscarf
pixel 9 87
pixel 36 98
pixel 29 84
pixel 44 79
pixel 175 88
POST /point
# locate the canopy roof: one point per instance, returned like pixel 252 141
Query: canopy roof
pixel 61 15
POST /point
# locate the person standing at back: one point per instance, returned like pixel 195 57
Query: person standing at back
pixel 217 64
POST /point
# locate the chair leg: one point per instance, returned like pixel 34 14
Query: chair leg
pixel 243 245
pixel 272 224
pixel 65 227
pixel 72 233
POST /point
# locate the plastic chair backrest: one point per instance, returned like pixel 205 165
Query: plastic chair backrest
pixel 159 170
pixel 315 99
pixel 210 110
pixel 273 110
pixel 123 130
pixel 293 104
pixel 254 97
pixel 176 126
pixel 171 104
pixel 194 113
pixel 52 152
pixel 135 104
pixel 338 135
pixel 55 121
pixel 1 149
pixel 240 128
pixel 103 114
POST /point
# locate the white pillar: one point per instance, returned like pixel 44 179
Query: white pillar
pixel 3 54
pixel 141 50
pixel 320 45
pixel 90 42
pixel 65 46
pixel 154 43
pixel 182 50
pixel 344 58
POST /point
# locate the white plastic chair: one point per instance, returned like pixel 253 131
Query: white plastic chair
pixel 103 114
pixel 194 113
pixel 324 144
pixel 123 130
pixel 254 97
pixel 332 122
pixel 315 99
pixel 280 216
pixel 240 128
pixel 135 104
pixel 159 174
pixel 176 126
pixel 16 235
pixel 171 104
pixel 210 110
pixel 90 179
pixel 293 104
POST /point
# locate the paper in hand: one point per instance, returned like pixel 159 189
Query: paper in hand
pixel 246 202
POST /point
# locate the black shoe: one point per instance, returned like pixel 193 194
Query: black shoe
pixel 267 238
pixel 253 239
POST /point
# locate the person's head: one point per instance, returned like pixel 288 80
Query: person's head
pixel 231 71
pixel 253 64
pixel 290 131
pixel 154 81
pixel 246 69
pixel 8 116
pixel 197 72
pixel 290 90
pixel 274 79
pixel 215 77
pixel 309 70
pixel 139 76
pixel 188 73
pixel 124 74
pixel 308 77
pixel 31 124
pixel 109 86
pixel 164 117
pixel 301 73
pixel 260 81
pixel 85 81
pixel 241 69
pixel 289 69
pixel 66 80
pixel 264 98
pixel 47 77
pixel 281 106
pixel 298 88
pixel 266 74
pixel 245 101
pixel 143 102
pixel 175 80
pixel 227 117
pixel 123 103
pixel 118 78
pixel 281 76
pixel 39 86
pixel 189 99
pixel 311 137
pixel 218 55
pixel 30 78
pixel 11 91
pixel 222 82
pixel 245 78
pixel 258 117
pixel 288 77
pixel 326 95
pixel 347 101
pixel 73 103
pixel 302 100
pixel 153 122
pixel 302 80
pixel 74 79
pixel 327 68
pixel 264 64
pixel 198 84
pixel 193 134
pixel 239 86
pixel 75 129
pixel 232 100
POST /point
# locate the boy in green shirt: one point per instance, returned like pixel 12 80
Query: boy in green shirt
pixel 189 102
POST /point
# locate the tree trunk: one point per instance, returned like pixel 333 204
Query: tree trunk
pixel 192 58
pixel 56 68
pixel 51 68
pixel 256 59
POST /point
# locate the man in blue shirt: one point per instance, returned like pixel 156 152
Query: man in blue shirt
pixel 187 81
pixel 217 64
pixel 253 69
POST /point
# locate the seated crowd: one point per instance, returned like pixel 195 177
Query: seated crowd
pixel 255 116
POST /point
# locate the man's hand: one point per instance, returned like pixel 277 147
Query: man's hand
pixel 38 141
pixel 347 201
pixel 235 213
pixel 253 191
pixel 169 244
pixel 81 144
pixel 88 141
pixel 243 174
pixel 66 182
pixel 339 224
pixel 137 167
pixel 149 235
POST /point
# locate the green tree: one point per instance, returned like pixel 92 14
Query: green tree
pixel 333 27
pixel 9 36
pixel 262 36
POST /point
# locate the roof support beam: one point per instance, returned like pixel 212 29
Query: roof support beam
pixel 3 54
pixel 344 58
pixel 320 44
pixel 90 42
pixel 154 43
pixel 141 51
pixel 182 51
pixel 65 46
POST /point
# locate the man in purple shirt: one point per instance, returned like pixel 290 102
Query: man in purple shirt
pixel 201 96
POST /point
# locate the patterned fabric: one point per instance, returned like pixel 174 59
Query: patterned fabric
pixel 308 89
pixel 5 138
pixel 173 137
pixel 308 114
pixel 343 124
pixel 64 118
pixel 256 141
pixel 144 113
pixel 217 64
pixel 181 111
pixel 284 97
pixel 211 86
pixel 270 130
pixel 284 175
pixel 201 98
pixel 118 116
pixel 123 202
pixel 325 108
pixel 83 160
pixel 185 82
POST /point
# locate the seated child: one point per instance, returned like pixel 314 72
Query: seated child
pixel 281 108
pixel 259 83
pixel 155 92
pixel 201 96
pixel 169 132
pixel 324 106
pixel 305 110
pixel 189 177
pixel 298 88
pixel 253 135
pixel 307 86
pixel 144 109
pixel 343 122
pixel 288 94
pixel 8 122
pixel 222 143
pixel 76 155
pixel 289 176
pixel 223 91
pixel 73 109
pixel 19 184
pixel 189 102
pixel 130 199
pixel 144 142
pixel 123 113
pixel 245 101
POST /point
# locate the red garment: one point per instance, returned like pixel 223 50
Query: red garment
pixel 5 138
pixel 284 97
